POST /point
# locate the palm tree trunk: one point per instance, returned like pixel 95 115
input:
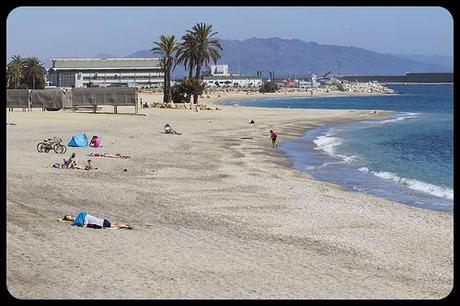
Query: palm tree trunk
pixel 165 85
pixel 33 81
pixel 168 87
pixel 190 71
pixel 197 77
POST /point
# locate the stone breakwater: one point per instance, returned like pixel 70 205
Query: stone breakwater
pixel 336 87
pixel 369 87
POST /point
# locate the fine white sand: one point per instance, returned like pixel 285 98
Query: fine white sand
pixel 214 216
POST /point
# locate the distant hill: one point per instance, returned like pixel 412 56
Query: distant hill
pixel 295 57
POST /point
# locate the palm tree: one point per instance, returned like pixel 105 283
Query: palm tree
pixel 15 71
pixel 34 70
pixel 206 48
pixel 167 47
pixel 186 53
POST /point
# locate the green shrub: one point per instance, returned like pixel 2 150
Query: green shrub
pixel 269 86
pixel 182 92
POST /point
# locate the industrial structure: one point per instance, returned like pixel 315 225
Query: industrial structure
pixel 105 72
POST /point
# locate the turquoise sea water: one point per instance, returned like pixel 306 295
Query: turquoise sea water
pixel 407 158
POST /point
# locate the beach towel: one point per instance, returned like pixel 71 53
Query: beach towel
pixel 109 155
pixel 80 219
pixel 80 140
pixel 63 220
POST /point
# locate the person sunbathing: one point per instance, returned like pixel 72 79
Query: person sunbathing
pixel 118 155
pixel 95 142
pixel 169 130
pixel 89 165
pixel 83 219
pixel 71 163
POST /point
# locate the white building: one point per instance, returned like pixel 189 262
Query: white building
pixel 218 70
pixel 232 81
pixel 220 76
pixel 92 72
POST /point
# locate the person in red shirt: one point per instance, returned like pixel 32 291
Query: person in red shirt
pixel 273 137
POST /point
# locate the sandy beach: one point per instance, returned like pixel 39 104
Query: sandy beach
pixel 214 216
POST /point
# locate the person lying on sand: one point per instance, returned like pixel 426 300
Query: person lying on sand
pixel 83 219
pixel 170 130
pixel 118 155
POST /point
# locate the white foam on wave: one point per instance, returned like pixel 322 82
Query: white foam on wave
pixel 364 169
pixel 405 116
pixel 416 185
pixel 327 144
pixel 331 132
pixel 348 159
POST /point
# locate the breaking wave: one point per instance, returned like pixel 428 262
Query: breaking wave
pixel 413 184
pixel 404 116
pixel 328 144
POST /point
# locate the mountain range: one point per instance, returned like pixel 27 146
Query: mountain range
pixel 296 58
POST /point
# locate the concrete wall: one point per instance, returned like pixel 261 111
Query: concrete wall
pixel 59 98
pixel 17 98
pixel 122 96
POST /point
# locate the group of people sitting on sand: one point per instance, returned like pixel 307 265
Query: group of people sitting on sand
pixel 71 163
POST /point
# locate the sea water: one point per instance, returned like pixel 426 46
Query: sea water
pixel 407 158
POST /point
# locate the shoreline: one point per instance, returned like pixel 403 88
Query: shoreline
pixel 382 114
pixel 249 224
pixel 346 186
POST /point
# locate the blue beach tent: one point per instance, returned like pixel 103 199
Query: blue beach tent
pixel 80 140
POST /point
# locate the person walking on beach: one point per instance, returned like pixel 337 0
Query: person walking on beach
pixel 273 137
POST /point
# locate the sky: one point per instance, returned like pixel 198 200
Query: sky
pixel 48 32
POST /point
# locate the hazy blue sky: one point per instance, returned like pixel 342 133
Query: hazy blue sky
pixel 49 32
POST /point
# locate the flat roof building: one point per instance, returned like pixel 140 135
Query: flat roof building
pixel 218 70
pixel 220 76
pixel 232 81
pixel 105 72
